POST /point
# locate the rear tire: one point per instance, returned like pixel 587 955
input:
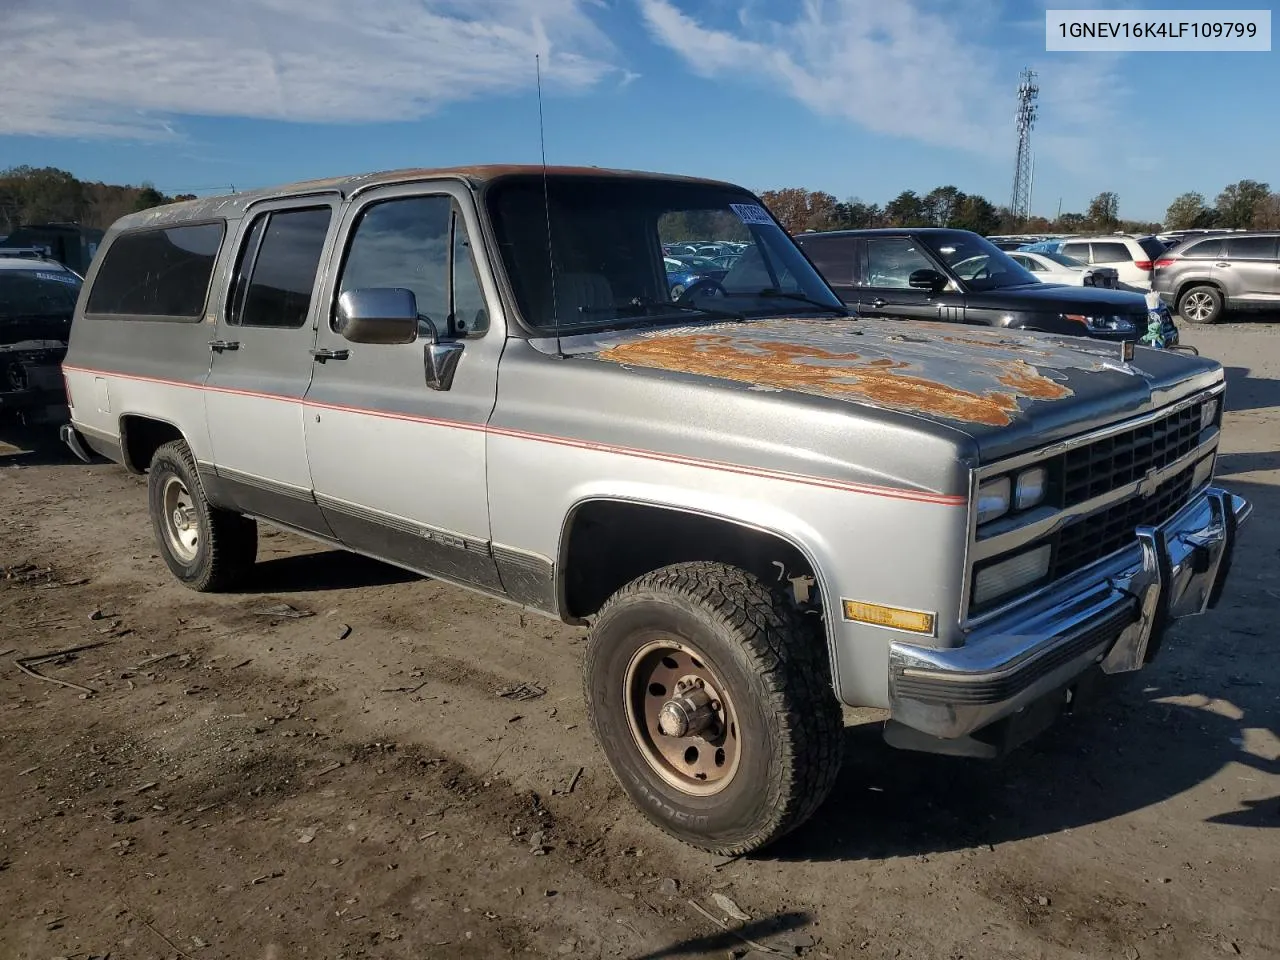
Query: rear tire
pixel 1200 304
pixel 207 548
pixel 771 750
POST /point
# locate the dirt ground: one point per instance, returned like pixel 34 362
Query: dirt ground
pixel 369 779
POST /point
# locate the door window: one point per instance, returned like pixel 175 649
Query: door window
pixel 891 261
pixel 1078 250
pixel 1025 261
pixel 1111 253
pixel 417 243
pixel 1204 250
pixel 833 256
pixel 277 268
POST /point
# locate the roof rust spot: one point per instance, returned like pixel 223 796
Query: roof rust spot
pixel 808 368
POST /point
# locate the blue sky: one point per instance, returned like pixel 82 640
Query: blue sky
pixel 856 97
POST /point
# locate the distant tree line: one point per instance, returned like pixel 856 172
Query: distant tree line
pixel 30 195
pixel 1247 204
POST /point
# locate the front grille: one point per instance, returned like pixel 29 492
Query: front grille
pixel 1125 458
pixel 1093 537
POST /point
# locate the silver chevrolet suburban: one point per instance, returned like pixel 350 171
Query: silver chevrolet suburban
pixel 762 506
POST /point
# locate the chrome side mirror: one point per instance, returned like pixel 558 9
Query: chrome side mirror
pixel 381 315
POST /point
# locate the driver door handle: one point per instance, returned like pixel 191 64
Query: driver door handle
pixel 324 353
pixel 217 346
pixel 878 302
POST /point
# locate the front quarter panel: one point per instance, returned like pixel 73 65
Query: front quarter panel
pixel 566 431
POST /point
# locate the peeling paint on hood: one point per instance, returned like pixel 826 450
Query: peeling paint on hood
pixel 967 376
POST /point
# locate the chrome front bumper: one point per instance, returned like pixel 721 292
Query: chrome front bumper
pixel 1112 615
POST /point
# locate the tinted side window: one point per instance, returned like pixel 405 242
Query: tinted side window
pixel 1111 253
pixel 833 256
pixel 890 262
pixel 404 243
pixel 1251 248
pixel 158 273
pixel 282 254
pixel 1204 250
pixel 1078 250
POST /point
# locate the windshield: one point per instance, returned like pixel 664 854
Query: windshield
pixel 607 241
pixel 977 261
pixel 38 293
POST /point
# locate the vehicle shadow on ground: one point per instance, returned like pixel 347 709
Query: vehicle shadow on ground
pixel 321 571
pixel 1123 757
pixel 1131 750
pixel 1246 392
pixel 734 938
pixel 32 447
pixel 1230 464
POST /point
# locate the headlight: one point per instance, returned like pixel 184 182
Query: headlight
pixel 993 498
pixel 1208 413
pixel 1030 488
pixel 1114 324
pixel 998 579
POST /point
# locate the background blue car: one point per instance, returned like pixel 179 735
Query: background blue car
pixel 679 277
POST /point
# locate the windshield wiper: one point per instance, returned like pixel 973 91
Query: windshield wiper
pixel 646 303
pixel 773 292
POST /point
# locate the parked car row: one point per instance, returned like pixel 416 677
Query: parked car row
pixel 934 273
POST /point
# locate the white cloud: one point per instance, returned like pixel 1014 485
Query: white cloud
pixel 103 68
pixel 890 66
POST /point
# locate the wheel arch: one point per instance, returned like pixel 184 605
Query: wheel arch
pixel 701 535
pixel 141 435
pixel 1185 285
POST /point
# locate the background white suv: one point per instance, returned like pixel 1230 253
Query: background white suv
pixel 1132 257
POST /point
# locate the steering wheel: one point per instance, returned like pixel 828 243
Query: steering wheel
pixel 706 287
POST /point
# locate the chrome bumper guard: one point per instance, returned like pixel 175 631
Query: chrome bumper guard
pixel 71 437
pixel 1112 615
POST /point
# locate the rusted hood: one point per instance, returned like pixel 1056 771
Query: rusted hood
pixel 1007 391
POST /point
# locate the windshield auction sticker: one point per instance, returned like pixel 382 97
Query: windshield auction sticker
pixel 751 213
pixel 1158 31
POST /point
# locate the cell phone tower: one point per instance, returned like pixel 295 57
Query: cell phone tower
pixel 1028 92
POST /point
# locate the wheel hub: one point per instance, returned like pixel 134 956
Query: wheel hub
pixel 682 717
pixel 691 713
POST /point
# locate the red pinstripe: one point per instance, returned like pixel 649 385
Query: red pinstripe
pixel 950 500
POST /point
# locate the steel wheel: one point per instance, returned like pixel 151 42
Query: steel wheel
pixel 682 718
pixel 181 522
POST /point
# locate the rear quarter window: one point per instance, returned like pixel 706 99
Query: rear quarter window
pixel 1111 253
pixel 162 273
pixel 1251 248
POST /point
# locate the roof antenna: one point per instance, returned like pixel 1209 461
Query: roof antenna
pixel 546 206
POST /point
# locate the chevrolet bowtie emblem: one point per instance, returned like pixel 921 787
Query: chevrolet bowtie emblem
pixel 1147 485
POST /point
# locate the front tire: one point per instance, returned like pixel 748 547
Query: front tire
pixel 710 695
pixel 1202 304
pixel 207 548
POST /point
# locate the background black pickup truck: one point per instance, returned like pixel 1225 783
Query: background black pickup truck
pixel 931 273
